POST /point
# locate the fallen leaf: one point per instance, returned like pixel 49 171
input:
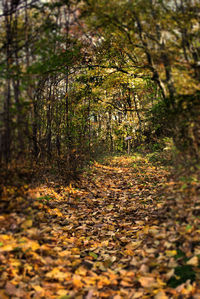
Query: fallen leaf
pixel 26 224
pixel 58 275
pixel 194 261
pixel 171 252
pixel 10 288
pixel 161 295
pixel 90 294
pixel 3 295
pixel 39 289
pixel 77 281
pixel 169 274
pixel 144 269
pixel 138 295
pixel 147 282
pixel 94 255
pixel 7 248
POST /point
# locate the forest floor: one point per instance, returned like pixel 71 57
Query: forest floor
pixel 126 229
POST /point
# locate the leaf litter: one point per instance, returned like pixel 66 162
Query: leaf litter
pixel 124 230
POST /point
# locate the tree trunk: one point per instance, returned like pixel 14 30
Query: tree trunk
pixel 49 121
pixel 7 102
pixel 16 85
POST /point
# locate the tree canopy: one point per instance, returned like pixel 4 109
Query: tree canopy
pixel 79 76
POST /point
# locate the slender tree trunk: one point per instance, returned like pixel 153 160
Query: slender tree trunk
pixel 67 24
pixel 156 76
pixel 16 85
pixel 110 131
pixel 165 58
pixel 67 105
pixel 137 112
pixel 49 121
pixel 58 141
pixel 35 129
pixel 7 102
pixel 89 126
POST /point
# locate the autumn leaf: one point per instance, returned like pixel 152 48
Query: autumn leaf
pixel 94 255
pixel 13 291
pixel 148 282
pixel 39 289
pixel 26 224
pixel 194 261
pixel 58 275
pixel 77 281
pixel 161 295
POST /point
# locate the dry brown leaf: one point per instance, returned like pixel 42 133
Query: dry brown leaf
pixel 161 295
pixel 144 269
pixel 89 294
pixel 170 274
pixel 10 288
pixel 147 282
pixel 3 295
pixel 39 289
pixel 194 261
pixel 138 294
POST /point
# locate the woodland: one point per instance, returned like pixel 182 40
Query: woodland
pixel 99 149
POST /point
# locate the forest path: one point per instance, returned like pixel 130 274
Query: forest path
pixel 111 236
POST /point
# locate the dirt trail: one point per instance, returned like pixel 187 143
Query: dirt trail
pixel 109 236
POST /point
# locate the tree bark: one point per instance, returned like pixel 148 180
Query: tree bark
pixel 7 102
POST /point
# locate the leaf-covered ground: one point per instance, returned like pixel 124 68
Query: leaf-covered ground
pixel 125 230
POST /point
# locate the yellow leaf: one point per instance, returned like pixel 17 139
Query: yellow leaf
pixel 75 250
pixel 57 274
pixel 27 224
pixel 146 229
pixel 129 252
pixel 171 252
pixel 89 280
pixel 6 248
pixel 77 281
pixel 65 253
pixel 62 294
pixel 160 282
pixel 15 263
pixel 39 289
pixel 4 237
pixel 29 244
pixel 103 281
pixel 3 295
pixel 81 271
pixel 109 207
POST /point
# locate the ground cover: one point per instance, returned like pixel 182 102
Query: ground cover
pixel 125 229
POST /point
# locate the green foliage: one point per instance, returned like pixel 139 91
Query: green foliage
pixel 90 73
pixel 182 274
